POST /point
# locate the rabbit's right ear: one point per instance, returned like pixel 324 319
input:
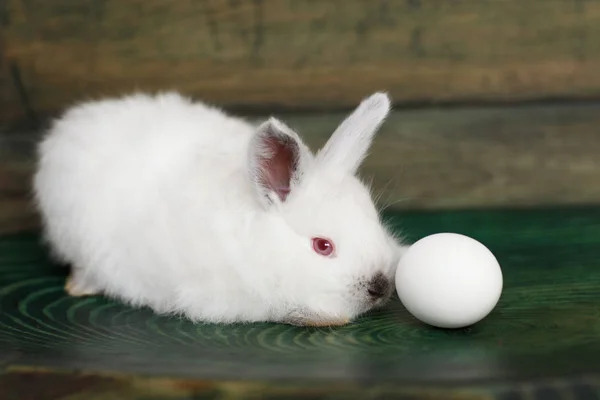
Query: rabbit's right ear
pixel 350 142
pixel 277 160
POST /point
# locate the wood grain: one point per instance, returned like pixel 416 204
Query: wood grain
pixel 543 338
pixel 480 157
pixel 300 53
pixel 65 385
pixel 422 159
pixel 9 99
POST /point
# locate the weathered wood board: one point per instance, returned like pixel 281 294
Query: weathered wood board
pixel 423 159
pixel 297 53
pixel 542 340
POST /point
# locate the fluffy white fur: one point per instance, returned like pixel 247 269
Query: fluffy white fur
pixel 157 201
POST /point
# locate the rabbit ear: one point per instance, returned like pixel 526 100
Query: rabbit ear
pixel 277 158
pixel 350 142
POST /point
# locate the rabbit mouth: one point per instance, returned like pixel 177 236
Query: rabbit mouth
pixel 381 302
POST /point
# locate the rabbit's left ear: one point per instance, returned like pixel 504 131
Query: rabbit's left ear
pixel 276 161
pixel 350 142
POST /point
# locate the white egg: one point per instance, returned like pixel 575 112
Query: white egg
pixel 449 280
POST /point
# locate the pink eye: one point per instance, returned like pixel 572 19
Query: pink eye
pixel 323 246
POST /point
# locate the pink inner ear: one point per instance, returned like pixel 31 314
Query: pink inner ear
pixel 276 171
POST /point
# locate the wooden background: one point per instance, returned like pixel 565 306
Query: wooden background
pixel 536 61
pixel 310 54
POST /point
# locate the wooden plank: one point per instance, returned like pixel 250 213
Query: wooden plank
pixel 527 156
pixel 423 159
pixel 10 103
pixel 47 384
pixel 301 53
pixel 541 341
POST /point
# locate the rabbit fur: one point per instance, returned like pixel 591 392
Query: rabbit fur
pixel 160 201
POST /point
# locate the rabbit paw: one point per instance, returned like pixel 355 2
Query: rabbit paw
pixel 78 286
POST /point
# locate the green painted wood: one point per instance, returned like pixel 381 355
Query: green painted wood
pixel 544 336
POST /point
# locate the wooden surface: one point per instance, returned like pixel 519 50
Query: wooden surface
pixel 296 53
pixel 542 341
pixel 421 159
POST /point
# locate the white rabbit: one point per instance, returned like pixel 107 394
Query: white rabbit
pixel 159 201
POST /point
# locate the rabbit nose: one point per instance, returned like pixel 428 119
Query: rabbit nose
pixel 378 286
